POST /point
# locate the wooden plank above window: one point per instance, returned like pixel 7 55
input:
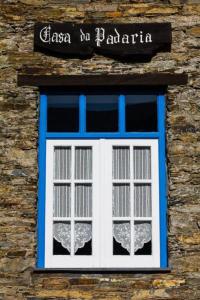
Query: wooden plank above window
pixel 147 79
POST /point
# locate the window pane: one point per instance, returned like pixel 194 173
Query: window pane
pixel 142 162
pixel 121 200
pixel 141 113
pixel 102 113
pixel 83 163
pixel 121 238
pixel 142 200
pixel 63 113
pixel 61 238
pixel 83 238
pixel 62 200
pixel 62 163
pixel 121 162
pixel 142 238
pixel 83 200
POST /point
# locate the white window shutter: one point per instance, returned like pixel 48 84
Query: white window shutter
pixel 102 193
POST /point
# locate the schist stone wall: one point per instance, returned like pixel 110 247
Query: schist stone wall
pixel 19 142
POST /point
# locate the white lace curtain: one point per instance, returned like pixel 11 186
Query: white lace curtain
pixel 121 196
pixel 122 234
pixel 82 234
pixel 83 163
pixel 121 191
pixel 82 196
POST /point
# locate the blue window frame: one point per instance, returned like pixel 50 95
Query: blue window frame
pixel 82 133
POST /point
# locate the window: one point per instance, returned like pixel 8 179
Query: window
pixel 102 181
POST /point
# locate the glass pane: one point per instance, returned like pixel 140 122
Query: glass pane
pixel 102 113
pixel 142 200
pixel 83 238
pixel 141 113
pixel 62 200
pixel 142 162
pixel 83 200
pixel 121 238
pixel 61 238
pixel 121 163
pixel 63 113
pixel 121 200
pixel 62 163
pixel 83 163
pixel 142 238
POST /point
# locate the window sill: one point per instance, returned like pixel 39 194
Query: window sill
pixel 104 270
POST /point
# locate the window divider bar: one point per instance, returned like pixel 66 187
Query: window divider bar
pixel 62 181
pixel 121 219
pixel 121 114
pixel 82 114
pixel 96 135
pixel 62 219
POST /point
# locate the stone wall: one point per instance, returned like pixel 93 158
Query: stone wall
pixel 19 139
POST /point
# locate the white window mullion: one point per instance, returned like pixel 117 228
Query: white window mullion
pixel 102 206
pixel 106 202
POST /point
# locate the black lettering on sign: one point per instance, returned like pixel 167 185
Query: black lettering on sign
pixel 117 40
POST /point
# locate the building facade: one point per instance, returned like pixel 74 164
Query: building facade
pixel 22 274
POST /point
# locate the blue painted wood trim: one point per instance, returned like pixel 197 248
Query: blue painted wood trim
pixel 121 114
pixel 162 182
pixel 82 134
pixel 42 176
pixel 82 114
pixel 97 135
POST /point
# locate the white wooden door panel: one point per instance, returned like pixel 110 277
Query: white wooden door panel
pixel 144 187
pixel 84 203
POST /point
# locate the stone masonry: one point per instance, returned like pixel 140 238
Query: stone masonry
pixel 19 142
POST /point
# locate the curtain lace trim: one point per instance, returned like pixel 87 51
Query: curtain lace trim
pixel 62 234
pixel 122 235
pixel 83 234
